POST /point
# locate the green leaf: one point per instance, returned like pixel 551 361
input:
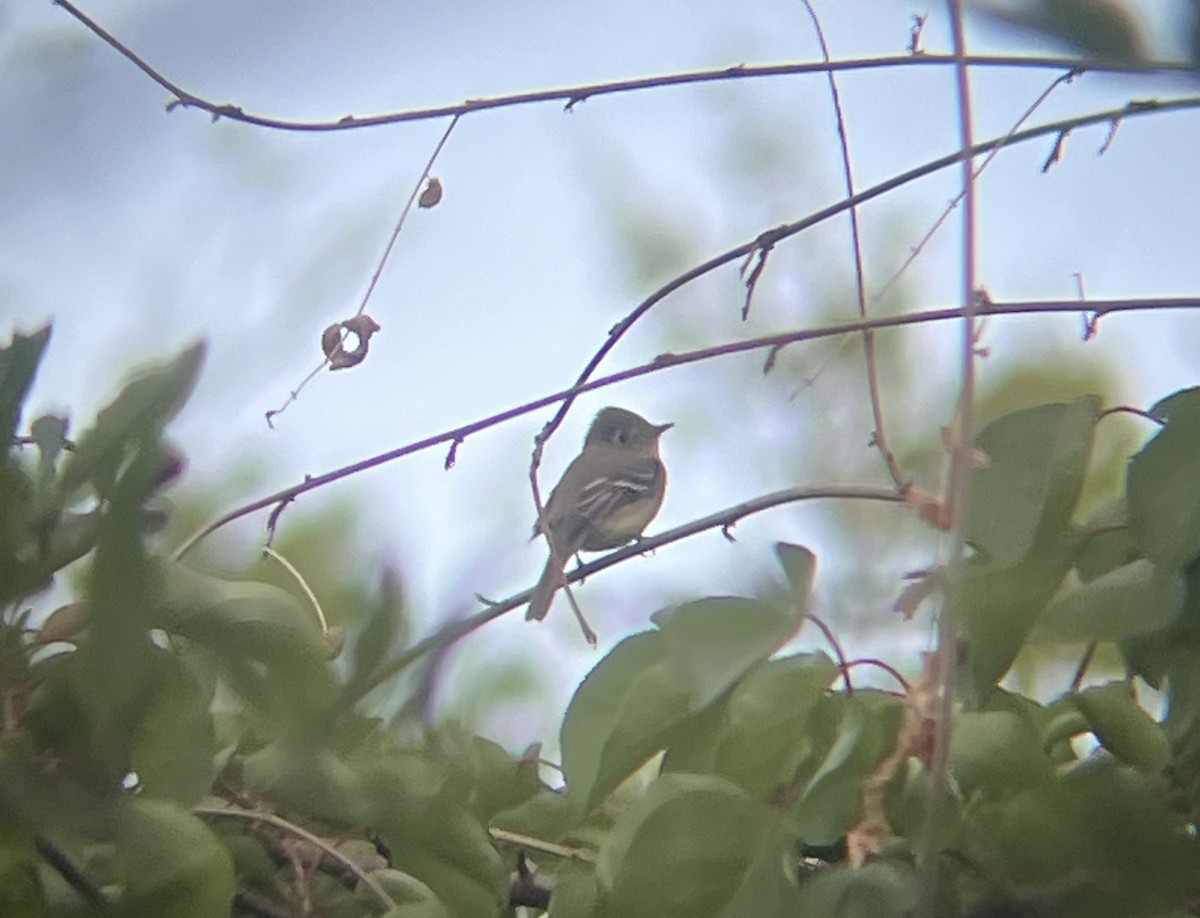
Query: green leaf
pixel 998 753
pixel 304 778
pixel 495 780
pixel 18 367
pixel 169 863
pixel 20 889
pixel 878 890
pixel 412 897
pixel 422 817
pixel 262 639
pixel 713 641
pixel 117 669
pixel 867 724
pixel 1100 29
pixel 769 883
pixel 547 814
pixel 1182 724
pixel 576 895
pixel 620 716
pixel 1024 496
pixel 376 637
pixel 684 849
pixel 21 572
pixel 1107 541
pixel 1123 727
pixel 1001 606
pixel 175 742
pixel 1130 600
pixel 1099 820
pixel 757 737
pixel 138 414
pixel 800 565
pixel 1164 503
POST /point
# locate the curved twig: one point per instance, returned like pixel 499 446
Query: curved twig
pixel 879 436
pixel 300 832
pixel 573 95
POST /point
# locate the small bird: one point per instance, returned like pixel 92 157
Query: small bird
pixel 607 496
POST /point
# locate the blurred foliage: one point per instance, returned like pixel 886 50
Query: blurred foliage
pixel 1103 30
pixel 174 742
pixel 1107 30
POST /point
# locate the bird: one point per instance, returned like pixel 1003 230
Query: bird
pixel 606 497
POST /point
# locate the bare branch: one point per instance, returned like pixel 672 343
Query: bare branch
pixel 1136 412
pixel 839 654
pixel 664 361
pixel 720 520
pixel 371 284
pixel 916 250
pixel 573 95
pixel 257 816
pixel 770 238
pixel 886 667
pixel 879 435
pixel 1085 661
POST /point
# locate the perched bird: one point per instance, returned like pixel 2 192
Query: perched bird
pixel 607 496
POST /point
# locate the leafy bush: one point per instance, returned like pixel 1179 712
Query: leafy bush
pixel 176 744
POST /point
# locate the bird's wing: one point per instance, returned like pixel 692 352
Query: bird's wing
pixel 608 493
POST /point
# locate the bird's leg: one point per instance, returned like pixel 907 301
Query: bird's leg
pixel 588 634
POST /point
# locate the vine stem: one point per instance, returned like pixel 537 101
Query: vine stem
pixel 383 260
pixel 228 812
pixel 961 464
pixel 879 437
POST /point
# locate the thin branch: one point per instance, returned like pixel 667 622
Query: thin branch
pixel 770 238
pixel 24 440
pixel 536 844
pixel 1136 412
pixel 1085 661
pixel 74 875
pixel 886 667
pixel 300 832
pixel 720 520
pixel 949 625
pixel 843 666
pixel 412 198
pixel 879 435
pixel 383 259
pixel 299 578
pixel 950 207
pixel 574 95
pixel 663 361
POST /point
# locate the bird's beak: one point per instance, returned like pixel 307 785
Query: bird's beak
pixel 661 429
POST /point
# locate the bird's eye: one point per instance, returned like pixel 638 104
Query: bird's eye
pixel 619 435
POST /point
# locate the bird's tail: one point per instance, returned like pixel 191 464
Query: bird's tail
pixel 547 586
